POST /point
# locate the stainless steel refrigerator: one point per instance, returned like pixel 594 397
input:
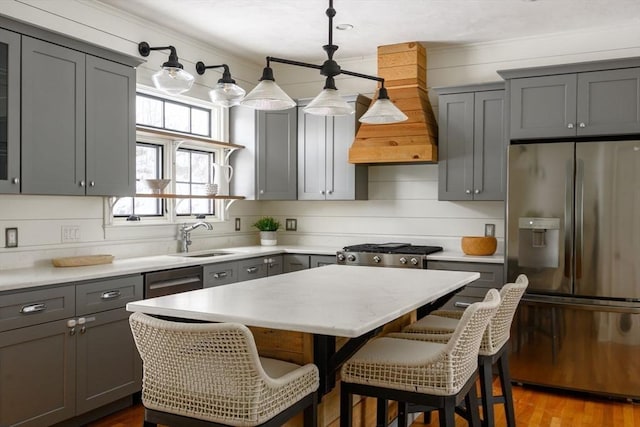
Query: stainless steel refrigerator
pixel 573 227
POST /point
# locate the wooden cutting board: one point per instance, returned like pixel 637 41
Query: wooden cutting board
pixel 78 261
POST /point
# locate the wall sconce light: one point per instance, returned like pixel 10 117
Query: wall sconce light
pixel 226 93
pixel 172 78
pixel 267 95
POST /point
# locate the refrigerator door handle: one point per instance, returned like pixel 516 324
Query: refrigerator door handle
pixel 579 222
pixel 568 220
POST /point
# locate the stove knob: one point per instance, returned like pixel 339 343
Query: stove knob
pixel 376 259
pixel 351 257
pixel 340 257
pixel 414 261
pixel 403 260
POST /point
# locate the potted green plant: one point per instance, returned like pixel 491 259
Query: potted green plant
pixel 268 227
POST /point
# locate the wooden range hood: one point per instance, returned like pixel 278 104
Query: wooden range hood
pixel 403 67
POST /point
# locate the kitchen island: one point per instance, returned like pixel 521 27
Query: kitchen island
pixel 321 315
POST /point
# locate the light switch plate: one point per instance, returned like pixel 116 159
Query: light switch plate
pixel 490 230
pixel 11 237
pixel 291 224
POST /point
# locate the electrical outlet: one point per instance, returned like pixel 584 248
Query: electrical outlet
pixel 70 233
pixel 291 224
pixel 490 230
pixel 237 224
pixel 11 237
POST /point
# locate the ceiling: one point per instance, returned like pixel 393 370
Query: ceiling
pixel 297 29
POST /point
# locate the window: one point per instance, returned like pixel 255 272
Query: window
pixel 149 161
pixel 171 115
pixel 188 164
pixel 193 171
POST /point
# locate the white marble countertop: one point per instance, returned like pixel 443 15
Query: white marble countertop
pixel 335 300
pixel 45 274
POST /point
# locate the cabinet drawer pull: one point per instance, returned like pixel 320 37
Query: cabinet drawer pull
pixel 110 295
pixel 33 308
pixel 582 125
pixel 462 304
pixel 252 269
pixel 15 181
pixel 570 126
pixel 220 275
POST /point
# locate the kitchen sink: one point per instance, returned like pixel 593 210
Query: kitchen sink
pixel 203 254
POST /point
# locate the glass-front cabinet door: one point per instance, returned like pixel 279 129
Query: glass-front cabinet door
pixel 9 112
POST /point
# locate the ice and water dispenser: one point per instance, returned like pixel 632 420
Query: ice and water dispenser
pixel 538 242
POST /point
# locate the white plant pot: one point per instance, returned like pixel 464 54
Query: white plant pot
pixel 268 238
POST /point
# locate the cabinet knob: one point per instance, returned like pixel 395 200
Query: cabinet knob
pixel 570 126
pixel 92 183
pixel 476 191
pixel 261 191
pixel 582 125
pixel 322 192
pixel 15 181
pixel 467 191
pixel 82 183
pixel 331 192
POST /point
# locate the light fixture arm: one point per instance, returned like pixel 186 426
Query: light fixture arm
pixel 144 50
pixel 226 74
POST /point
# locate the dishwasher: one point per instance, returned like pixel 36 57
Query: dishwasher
pixel 167 282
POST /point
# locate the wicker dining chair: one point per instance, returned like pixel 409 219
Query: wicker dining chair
pixel 210 374
pixel 440 324
pixel 430 374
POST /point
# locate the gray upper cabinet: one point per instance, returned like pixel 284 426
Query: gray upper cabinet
pixel 472 142
pixel 53 96
pixel 584 99
pixel 9 112
pixel 266 168
pixel 78 122
pixel 324 171
pixel 110 128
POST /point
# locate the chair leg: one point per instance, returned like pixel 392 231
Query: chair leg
pixel 486 377
pixel 382 413
pixel 505 384
pixel 447 415
pixel 426 417
pixel 346 408
pixel 471 400
pixel 403 410
pixel 311 414
pixel 149 424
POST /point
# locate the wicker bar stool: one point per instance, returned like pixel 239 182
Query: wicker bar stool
pixel 440 324
pixel 424 373
pixel 210 374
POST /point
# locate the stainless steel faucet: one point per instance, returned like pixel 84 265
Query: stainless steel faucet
pixel 185 233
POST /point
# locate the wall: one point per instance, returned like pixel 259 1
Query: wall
pixel 403 201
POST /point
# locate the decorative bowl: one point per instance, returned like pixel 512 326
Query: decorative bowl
pixel 156 185
pixel 479 245
pixel 211 189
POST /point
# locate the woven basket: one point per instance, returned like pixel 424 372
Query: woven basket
pixel 479 245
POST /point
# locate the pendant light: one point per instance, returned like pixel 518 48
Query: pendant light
pixel 172 78
pixel 269 96
pixel 226 93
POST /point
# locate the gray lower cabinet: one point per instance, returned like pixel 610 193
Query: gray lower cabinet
pixel 66 350
pixel 266 168
pixel 78 122
pixel 472 142
pixel 220 273
pixel 255 268
pixel 324 171
pixel 9 112
pixel 322 260
pixel 295 262
pixel 569 104
pixel 491 276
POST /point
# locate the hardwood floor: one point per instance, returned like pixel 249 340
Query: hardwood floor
pixel 534 408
